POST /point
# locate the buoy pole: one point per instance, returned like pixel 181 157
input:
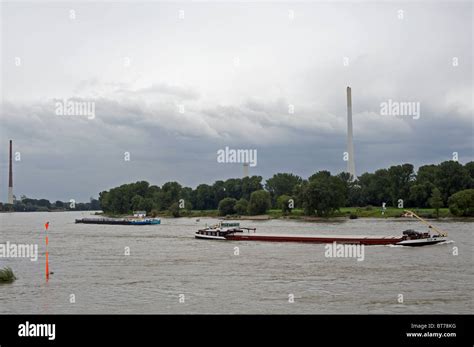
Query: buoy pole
pixel 46 225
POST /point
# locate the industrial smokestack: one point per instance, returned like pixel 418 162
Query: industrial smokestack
pixel 10 176
pixel 246 169
pixel 350 144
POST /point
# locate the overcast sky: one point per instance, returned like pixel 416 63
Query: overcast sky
pixel 234 69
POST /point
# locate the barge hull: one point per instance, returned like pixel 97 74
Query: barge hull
pixel 316 239
pixel 117 221
pixel 111 222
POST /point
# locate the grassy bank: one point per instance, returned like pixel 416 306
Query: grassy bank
pixel 366 212
pixel 344 212
pixel 361 212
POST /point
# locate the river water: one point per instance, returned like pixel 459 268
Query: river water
pixel 167 266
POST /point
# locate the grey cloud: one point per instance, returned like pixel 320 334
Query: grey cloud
pixel 191 63
pixel 173 90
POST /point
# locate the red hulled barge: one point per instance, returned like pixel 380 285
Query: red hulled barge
pixel 233 232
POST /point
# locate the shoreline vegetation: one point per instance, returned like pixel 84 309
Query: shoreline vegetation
pixel 298 214
pixel 434 191
pixel 444 190
pixel 25 204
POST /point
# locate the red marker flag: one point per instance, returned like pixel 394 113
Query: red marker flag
pixel 46 226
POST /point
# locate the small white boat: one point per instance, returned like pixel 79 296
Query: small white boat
pixel 415 238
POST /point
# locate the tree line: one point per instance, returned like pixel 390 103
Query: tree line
pixel 446 184
pixel 25 204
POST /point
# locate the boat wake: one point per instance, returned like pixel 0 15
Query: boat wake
pixel 395 246
pixel 447 242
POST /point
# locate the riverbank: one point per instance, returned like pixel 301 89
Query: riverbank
pixel 298 214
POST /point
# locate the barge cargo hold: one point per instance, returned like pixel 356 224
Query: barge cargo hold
pixel 348 239
pixel 238 235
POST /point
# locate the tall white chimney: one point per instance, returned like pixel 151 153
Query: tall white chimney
pixel 350 144
pixel 246 169
pixel 10 176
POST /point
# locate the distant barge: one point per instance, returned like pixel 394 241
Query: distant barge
pixel 119 221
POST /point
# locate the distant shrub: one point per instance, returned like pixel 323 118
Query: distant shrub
pixel 461 204
pixel 174 210
pixel 283 202
pixel 259 202
pixel 241 207
pixel 353 216
pixel 227 206
pixel 7 275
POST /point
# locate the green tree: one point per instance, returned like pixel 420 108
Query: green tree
pixel 422 187
pixel 462 203
pixel 241 207
pixel 140 188
pixel 320 175
pixel 323 194
pixel 420 194
pixel 218 192
pixel 104 201
pixel 259 202
pixel 170 193
pixel 174 210
pixel 400 178
pixel 233 188
pixel 227 206
pixel 470 169
pixel 283 202
pixel 204 197
pixel 146 205
pixel 451 178
pixel 137 202
pixel 436 201
pixel 151 191
pixel 187 195
pixel 298 191
pixel 427 174
pixel 44 203
pixel 374 187
pixel 250 185
pixel 94 204
pixel 282 184
pixel 353 192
